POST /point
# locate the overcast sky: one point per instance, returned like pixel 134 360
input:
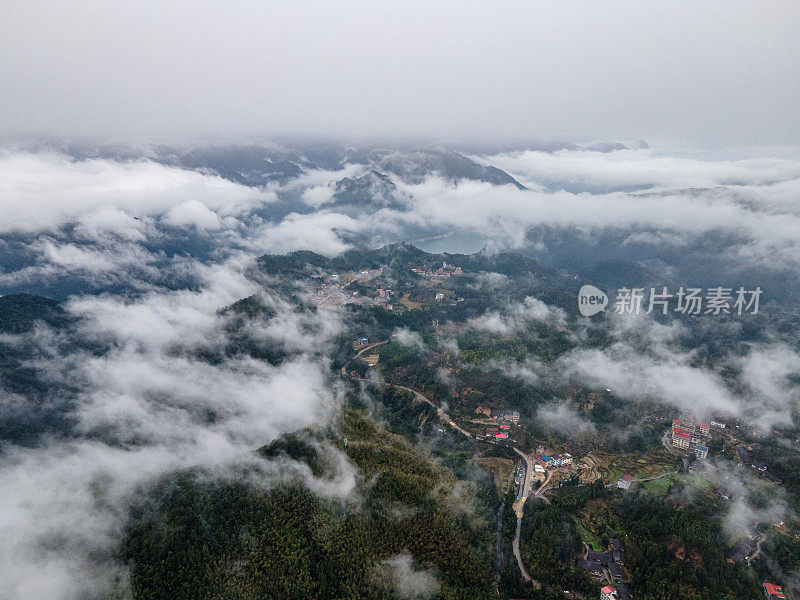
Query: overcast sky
pixel 715 73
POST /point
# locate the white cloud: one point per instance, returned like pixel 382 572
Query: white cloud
pixel 193 213
pixel 43 191
pixel 147 405
pixel 317 232
pixel 406 337
pixel 773 399
pixel 564 419
pixel 411 583
pixel 517 317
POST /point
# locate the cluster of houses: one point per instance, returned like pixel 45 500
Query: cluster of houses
pixel 333 293
pixel 554 462
pixel 443 272
pixel 505 416
pixel 608 566
pixel 498 433
pixel 609 592
pixel 743 456
pixel 504 419
pixel 690 437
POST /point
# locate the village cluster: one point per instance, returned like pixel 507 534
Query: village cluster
pixel 688 438
pixel 443 272
pixel 339 289
pixel 608 566
pixel 335 290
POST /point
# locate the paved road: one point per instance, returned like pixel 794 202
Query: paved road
pixel 439 411
pixel 519 508
pixel 665 441
pixel 761 537
pixel 526 484
pixel 360 352
pixel 643 479
pixel 525 575
pixel 499 544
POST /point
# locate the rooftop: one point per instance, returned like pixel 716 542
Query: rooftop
pixel 773 591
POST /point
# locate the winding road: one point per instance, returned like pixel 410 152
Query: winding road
pixel 519 503
pixel 360 352
pixel 643 479
pixel 439 411
pixel 519 508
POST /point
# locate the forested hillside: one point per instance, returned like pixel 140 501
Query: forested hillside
pixel 192 536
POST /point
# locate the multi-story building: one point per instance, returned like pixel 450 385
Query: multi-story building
pixel 560 460
pixel 681 439
pixel 608 593
pixel 701 428
pixel 695 429
pixel 701 451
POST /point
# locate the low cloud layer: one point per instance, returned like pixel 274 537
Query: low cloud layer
pixel 149 403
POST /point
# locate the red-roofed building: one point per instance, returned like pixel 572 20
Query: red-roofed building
pixel 701 428
pixel 773 591
pixel 608 593
pixel 505 426
pixel 681 439
pixel 501 436
pixel 624 482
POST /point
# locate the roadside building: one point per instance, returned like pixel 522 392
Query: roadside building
pixel 608 593
pixel 560 461
pixel 742 455
pixel 624 482
pixel 618 551
pixel 603 557
pixel 509 416
pixel 593 568
pixel 740 551
pixel 772 591
pixel 681 439
pixel 492 431
pixel 501 436
pixel 624 592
